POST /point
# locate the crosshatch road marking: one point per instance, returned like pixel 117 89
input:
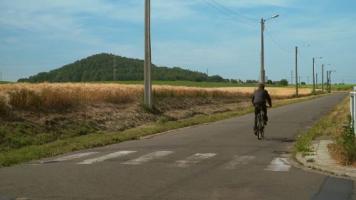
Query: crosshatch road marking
pixel 106 157
pixel 238 160
pixel 279 165
pixel 148 157
pixel 69 157
pixel 194 159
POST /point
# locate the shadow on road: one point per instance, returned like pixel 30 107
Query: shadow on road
pixel 278 139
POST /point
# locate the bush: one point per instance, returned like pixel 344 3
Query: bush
pixel 284 82
pixel 347 142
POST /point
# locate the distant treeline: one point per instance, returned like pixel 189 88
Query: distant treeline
pixel 108 67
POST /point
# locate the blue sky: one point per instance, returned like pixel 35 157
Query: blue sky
pixel 220 35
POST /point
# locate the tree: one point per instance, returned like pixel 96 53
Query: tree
pixel 251 81
pixel 233 81
pixel 283 82
pixel 100 67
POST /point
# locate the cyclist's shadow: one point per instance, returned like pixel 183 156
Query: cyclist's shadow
pixel 280 139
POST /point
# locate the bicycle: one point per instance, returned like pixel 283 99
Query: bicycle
pixel 260 124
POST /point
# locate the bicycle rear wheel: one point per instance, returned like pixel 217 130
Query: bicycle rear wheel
pixel 261 134
pixel 260 126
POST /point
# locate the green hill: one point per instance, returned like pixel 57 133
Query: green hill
pixel 108 67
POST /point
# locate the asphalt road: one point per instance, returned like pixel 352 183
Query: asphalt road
pixel 221 160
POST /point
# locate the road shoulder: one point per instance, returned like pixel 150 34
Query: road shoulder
pixel 320 159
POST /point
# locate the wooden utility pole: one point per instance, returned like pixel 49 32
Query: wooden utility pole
pixel 296 71
pixel 147 65
pixel 328 79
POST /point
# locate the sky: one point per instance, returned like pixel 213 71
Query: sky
pixel 218 36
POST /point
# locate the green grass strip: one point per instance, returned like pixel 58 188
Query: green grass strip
pixel 327 125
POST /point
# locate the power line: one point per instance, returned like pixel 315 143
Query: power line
pixel 229 13
pixel 233 12
pixel 283 49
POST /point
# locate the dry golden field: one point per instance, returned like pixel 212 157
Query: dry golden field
pixel 64 95
pixel 33 114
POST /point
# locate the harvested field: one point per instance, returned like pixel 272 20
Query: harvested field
pixel 61 96
pixel 32 114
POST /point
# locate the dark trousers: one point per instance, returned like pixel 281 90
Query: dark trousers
pixel 258 108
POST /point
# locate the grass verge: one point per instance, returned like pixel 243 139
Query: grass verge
pixel 331 125
pixel 61 146
pixel 346 145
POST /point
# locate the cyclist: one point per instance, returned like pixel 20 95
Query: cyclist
pixel 259 100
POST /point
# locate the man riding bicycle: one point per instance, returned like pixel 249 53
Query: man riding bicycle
pixel 259 100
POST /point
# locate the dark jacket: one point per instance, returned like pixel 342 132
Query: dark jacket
pixel 261 97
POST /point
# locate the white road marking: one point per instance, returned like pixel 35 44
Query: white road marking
pixel 238 160
pixel 106 157
pixel 279 165
pixel 148 157
pixel 194 159
pixel 69 157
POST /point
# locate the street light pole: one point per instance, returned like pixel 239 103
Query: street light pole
pixel 262 70
pixel 147 63
pixel 330 84
pixel 322 77
pixel 296 71
pixel 313 76
pixel 328 73
pixel 314 72
pixel 262 78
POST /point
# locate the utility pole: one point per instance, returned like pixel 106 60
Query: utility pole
pixel 313 76
pixel 262 71
pixel 262 79
pixel 330 84
pixel 322 77
pixel 147 65
pixel 328 80
pixel 296 71
pixel 328 77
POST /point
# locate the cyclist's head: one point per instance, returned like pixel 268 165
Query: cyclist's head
pixel 261 86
